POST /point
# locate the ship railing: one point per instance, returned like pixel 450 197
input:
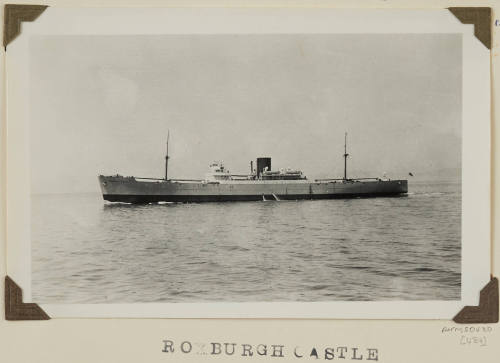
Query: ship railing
pixel 187 180
pixel 353 179
pixel 175 180
pixel 144 178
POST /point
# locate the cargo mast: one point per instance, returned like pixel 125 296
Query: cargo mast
pixel 345 156
pixel 167 157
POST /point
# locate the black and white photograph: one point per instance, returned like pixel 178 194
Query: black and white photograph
pixel 239 167
pixel 249 181
pixel 246 168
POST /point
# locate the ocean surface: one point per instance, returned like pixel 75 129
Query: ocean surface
pixel 85 250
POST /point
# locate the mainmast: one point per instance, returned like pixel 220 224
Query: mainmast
pixel 167 157
pixel 345 156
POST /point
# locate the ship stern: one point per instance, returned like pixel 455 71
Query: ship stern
pixel 403 186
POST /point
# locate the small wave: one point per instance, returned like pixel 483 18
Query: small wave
pixel 452 280
pixel 385 273
pixel 177 292
pixel 429 194
pixel 424 269
pixel 319 287
pixel 236 248
pixel 358 267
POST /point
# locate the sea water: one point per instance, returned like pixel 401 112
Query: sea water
pixel 86 250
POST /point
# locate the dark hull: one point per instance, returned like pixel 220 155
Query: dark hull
pixel 131 190
pixel 142 199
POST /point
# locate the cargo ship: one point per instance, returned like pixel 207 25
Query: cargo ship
pixel 262 183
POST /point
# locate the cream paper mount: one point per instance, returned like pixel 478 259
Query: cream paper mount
pixel 15 309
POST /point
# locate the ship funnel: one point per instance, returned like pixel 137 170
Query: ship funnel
pixel 261 164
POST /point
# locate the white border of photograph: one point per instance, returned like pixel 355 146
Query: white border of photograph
pixel 123 21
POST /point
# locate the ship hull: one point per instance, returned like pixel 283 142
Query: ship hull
pixel 131 190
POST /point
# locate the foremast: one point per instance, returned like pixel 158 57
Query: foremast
pixel 167 157
pixel 345 156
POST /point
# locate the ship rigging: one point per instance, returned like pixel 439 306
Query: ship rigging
pixel 262 183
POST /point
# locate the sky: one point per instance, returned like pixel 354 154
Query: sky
pixel 104 105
